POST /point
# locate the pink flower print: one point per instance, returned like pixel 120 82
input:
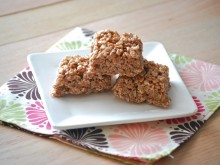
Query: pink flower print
pixel 138 139
pixel 37 115
pixel 200 74
pixel 198 115
pixel 28 68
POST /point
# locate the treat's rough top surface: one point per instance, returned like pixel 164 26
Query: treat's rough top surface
pixel 112 53
pixel 74 78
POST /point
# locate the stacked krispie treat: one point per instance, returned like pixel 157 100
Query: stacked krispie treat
pixel 114 54
pixel 139 80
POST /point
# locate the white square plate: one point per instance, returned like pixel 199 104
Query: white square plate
pixel 104 108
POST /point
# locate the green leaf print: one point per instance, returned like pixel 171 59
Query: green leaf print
pixel 182 59
pixel 12 112
pixel 213 101
pixel 71 45
pixel 79 44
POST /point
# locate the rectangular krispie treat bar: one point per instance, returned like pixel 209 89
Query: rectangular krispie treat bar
pixel 73 78
pixel 150 86
pixel 114 54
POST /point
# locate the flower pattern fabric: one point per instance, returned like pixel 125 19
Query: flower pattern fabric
pixel 86 137
pixel 213 101
pixel 24 84
pixel 138 139
pixel 184 131
pixel 200 74
pixel 12 112
pixel 37 116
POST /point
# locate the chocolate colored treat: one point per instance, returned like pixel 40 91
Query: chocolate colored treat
pixel 150 86
pixel 73 78
pixel 114 54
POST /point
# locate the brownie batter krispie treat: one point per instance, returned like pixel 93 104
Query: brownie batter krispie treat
pixel 73 78
pixel 150 86
pixel 114 54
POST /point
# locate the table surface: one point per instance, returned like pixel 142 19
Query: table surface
pixel 189 27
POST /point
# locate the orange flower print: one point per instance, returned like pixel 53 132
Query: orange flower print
pixel 138 139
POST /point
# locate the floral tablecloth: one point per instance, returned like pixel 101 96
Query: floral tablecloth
pixel 21 107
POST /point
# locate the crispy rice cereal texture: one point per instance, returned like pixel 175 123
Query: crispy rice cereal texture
pixel 115 54
pixel 150 86
pixel 73 78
